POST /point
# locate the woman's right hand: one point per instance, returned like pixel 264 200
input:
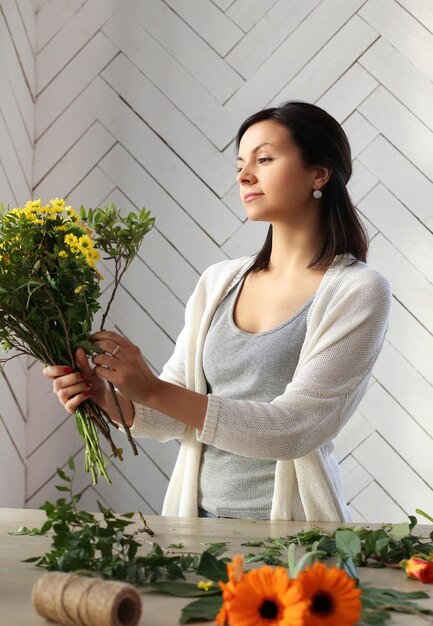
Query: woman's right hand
pixel 73 388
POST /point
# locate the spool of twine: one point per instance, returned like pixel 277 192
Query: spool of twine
pixel 83 601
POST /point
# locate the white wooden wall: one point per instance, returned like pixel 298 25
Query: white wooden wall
pixel 17 88
pixel 139 102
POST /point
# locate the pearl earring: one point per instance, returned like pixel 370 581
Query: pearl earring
pixel 317 193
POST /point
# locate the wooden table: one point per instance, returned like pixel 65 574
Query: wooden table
pixel 17 578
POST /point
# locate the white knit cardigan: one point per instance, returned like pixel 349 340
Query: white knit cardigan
pixel 346 327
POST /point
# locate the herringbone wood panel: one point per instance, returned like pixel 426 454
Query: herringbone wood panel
pixel 139 102
pixel 17 80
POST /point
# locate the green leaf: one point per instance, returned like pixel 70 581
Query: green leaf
pixel 71 463
pixel 62 475
pixel 375 541
pixel 378 603
pixel 205 608
pixel 184 590
pixel 216 548
pixel 45 527
pixel 23 530
pixel 398 531
pixel 426 515
pixel 348 543
pixel 212 568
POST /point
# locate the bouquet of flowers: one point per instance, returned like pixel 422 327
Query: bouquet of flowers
pixel 49 290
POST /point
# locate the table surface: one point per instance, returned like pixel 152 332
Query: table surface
pixel 17 578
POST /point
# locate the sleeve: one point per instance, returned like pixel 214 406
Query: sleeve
pixel 152 423
pixel 329 382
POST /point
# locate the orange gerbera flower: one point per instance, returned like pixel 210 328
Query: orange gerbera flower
pixel 266 597
pixel 235 571
pixel 333 595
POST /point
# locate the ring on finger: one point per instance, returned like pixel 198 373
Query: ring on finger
pixel 116 350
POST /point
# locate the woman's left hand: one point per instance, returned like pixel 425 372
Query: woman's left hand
pixel 123 365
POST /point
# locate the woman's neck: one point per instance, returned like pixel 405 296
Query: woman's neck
pixel 293 249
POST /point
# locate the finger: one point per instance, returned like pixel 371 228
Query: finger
pixel 62 382
pixel 66 393
pixel 110 335
pixel 108 374
pixel 106 345
pixel 53 371
pixel 72 404
pixel 106 360
pixel 83 363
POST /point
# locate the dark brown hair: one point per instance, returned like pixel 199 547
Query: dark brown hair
pixel 321 142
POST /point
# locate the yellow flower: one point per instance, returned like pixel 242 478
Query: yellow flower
pixel 63 254
pixel 58 205
pixel 29 215
pixel 75 248
pixel 62 227
pixel 14 212
pixel 71 213
pixel 92 256
pixel 71 240
pixel 204 586
pixel 33 205
pixel 79 288
pixel 85 244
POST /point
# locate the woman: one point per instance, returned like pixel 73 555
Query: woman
pixel 277 350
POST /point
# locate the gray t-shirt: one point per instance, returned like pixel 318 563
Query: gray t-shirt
pixel 245 366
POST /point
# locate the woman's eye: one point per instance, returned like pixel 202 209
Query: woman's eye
pixel 260 160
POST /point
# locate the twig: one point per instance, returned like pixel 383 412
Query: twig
pixel 146 528
pixel 122 419
pixel 62 319
pixel 117 278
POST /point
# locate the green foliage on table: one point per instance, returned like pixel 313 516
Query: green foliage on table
pixel 382 547
pixel 82 542
pixel 105 547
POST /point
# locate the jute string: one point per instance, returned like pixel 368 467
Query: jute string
pixel 83 601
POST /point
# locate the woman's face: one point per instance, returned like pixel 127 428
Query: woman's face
pixel 270 165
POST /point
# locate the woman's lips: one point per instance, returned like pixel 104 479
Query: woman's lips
pixel 252 196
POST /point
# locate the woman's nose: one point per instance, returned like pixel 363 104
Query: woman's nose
pixel 245 176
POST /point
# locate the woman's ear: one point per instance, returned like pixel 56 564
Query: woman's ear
pixel 321 175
